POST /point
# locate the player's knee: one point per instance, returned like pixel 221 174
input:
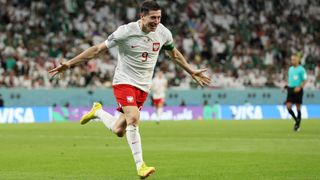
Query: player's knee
pixel 119 132
pixel 133 120
pixel 288 107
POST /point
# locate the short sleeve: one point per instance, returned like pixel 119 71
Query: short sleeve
pixel 116 37
pixel 168 45
pixel 304 74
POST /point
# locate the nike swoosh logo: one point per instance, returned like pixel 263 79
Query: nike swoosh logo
pixel 134 46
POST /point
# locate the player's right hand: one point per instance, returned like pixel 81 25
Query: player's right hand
pixel 297 89
pixel 59 69
pixel 202 79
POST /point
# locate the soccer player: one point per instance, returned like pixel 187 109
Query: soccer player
pixel 297 77
pixel 138 44
pixel 158 89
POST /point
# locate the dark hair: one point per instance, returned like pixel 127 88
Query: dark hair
pixel 148 5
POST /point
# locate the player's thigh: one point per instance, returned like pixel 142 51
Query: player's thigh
pixel 125 95
pixel 298 105
pixel 158 103
pixel 132 114
pixel 299 97
pixel 161 104
pixel 289 105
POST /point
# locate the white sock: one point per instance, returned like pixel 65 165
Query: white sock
pixel 134 141
pixel 107 119
pixel 159 112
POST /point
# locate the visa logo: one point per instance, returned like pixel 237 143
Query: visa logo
pixel 16 115
pixel 246 112
pixel 284 114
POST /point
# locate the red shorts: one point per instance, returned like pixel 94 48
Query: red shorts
pixel 157 102
pixel 128 95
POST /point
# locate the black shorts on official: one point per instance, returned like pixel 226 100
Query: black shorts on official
pixel 294 97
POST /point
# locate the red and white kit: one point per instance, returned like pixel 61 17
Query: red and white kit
pixel 159 86
pixel 137 56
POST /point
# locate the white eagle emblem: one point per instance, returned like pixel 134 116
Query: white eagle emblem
pixel 129 99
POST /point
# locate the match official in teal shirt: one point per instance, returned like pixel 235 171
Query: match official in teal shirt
pixel 297 77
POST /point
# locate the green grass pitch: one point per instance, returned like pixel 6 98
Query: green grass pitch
pixel 181 150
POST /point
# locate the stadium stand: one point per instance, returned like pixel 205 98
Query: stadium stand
pixel 244 43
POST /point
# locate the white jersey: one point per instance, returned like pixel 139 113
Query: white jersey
pixel 137 53
pixel 159 86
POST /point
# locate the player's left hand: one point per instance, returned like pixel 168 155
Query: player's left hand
pixel 297 89
pixel 59 69
pixel 202 79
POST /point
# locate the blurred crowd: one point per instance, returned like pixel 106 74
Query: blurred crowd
pixel 243 43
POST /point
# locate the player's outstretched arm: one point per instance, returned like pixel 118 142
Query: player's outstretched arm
pixel 181 61
pixel 86 55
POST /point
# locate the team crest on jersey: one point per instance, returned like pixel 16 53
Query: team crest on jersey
pixel 129 99
pixel 156 46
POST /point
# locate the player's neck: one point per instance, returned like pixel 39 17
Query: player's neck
pixel 143 28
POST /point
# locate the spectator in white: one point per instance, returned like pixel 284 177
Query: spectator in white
pixel 219 47
pixel 268 59
pixel 236 60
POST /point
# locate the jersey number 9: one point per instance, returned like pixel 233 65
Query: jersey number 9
pixel 145 56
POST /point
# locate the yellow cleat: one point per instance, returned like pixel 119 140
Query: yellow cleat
pixel 145 171
pixel 90 115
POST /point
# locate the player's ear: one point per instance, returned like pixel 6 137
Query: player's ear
pixel 142 15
